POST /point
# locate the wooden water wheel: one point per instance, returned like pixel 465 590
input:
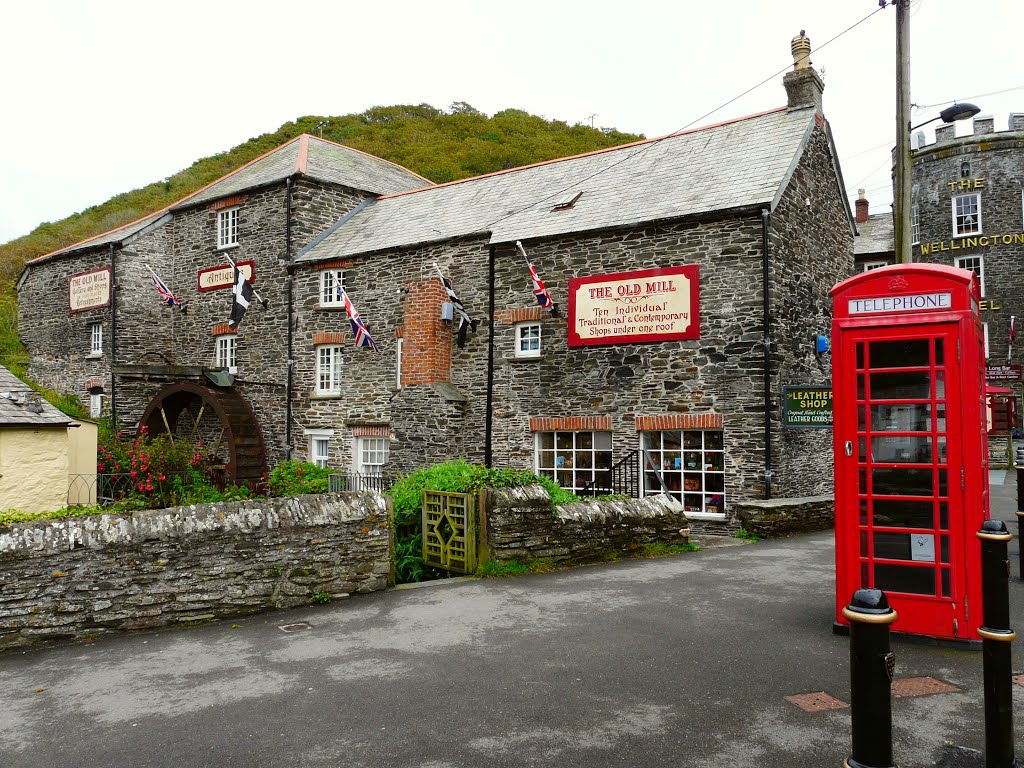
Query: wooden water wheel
pixel 220 417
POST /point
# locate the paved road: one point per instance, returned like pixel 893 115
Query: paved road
pixel 677 662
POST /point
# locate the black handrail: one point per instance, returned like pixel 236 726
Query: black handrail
pixel 623 479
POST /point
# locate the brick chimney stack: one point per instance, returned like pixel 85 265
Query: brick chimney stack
pixel 804 85
pixel 862 207
pixel 426 338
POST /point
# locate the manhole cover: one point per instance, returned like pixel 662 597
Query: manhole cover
pixel 299 626
pixel 816 702
pixel 921 686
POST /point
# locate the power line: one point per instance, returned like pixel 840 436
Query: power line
pixel 975 96
pixel 650 144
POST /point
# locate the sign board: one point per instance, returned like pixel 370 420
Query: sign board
pixel 911 303
pixel 645 306
pixel 224 277
pixel 89 290
pixel 1003 372
pixel 807 407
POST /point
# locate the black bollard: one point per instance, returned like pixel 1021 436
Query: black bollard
pixel 1020 518
pixel 996 637
pixel 871 668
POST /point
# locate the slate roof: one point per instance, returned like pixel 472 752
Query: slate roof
pixel 307 155
pixel 877 236
pixel 20 406
pixel 731 165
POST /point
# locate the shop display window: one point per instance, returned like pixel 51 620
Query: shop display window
pixel 688 465
pixel 578 461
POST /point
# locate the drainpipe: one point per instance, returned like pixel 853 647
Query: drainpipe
pixel 489 423
pixel 290 267
pixel 766 321
pixel 113 336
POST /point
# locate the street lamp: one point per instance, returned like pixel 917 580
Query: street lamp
pixel 951 115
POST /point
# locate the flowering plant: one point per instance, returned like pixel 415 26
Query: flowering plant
pixel 153 471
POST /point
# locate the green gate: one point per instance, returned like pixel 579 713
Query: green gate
pixel 449 531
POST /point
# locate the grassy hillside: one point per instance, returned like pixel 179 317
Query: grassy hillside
pixel 442 145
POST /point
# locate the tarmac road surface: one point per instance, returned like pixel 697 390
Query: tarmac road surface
pixel 682 661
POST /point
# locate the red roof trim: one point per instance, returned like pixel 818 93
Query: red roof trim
pixel 589 154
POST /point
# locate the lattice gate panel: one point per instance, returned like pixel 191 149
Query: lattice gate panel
pixel 449 531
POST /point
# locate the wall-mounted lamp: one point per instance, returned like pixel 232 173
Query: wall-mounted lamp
pixel 820 345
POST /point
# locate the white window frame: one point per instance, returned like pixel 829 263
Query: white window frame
pixel 959 218
pixel 227 227
pixel 984 328
pixel 398 362
pixel 528 339
pixel 330 280
pixel 371 455
pixel 320 446
pixel 915 224
pixel 226 352
pixel 328 369
pixel 959 261
pixel 669 466
pixel 568 460
pixel 96 339
pixel 869 265
pixel 96 404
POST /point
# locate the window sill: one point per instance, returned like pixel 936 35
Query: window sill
pixel 331 307
pixel 94 356
pixel 325 396
pixel 522 358
pixel 228 247
pixel 711 516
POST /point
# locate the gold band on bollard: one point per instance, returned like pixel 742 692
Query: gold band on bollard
pixel 870 618
pixel 995 536
pixel 1006 636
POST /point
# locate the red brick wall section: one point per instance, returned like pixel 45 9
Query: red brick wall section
pixel 510 316
pixel 222 329
pixel 572 424
pixel 679 421
pixel 333 264
pixel 329 338
pixel 228 202
pixel 427 339
pixel 383 431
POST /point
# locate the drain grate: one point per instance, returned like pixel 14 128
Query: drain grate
pixel 921 686
pixel 299 626
pixel 816 702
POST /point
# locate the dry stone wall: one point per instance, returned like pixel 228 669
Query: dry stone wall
pixel 76 578
pixel 523 525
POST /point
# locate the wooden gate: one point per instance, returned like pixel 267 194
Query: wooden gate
pixel 449 531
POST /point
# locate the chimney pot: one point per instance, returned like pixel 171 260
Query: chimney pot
pixel 803 84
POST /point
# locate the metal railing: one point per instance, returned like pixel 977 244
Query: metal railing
pixel 623 479
pixel 97 488
pixel 339 482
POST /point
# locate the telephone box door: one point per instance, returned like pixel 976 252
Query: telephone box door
pixel 900 473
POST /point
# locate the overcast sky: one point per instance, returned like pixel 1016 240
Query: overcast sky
pixel 103 96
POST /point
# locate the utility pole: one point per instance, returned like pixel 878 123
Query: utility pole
pixel 902 199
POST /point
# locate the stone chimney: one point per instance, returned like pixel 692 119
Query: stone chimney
pixel 804 85
pixel 984 124
pixel 862 207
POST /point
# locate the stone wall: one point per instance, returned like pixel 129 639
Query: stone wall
pixel 84 576
pixel 781 517
pixel 523 525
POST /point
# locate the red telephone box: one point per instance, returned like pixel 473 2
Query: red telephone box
pixel 910 440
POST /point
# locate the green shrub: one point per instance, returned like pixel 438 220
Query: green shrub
pixel 293 477
pixel 456 477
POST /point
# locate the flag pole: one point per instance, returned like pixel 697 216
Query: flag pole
pixel 259 298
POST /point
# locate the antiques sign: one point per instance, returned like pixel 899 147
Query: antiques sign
pixel 807 407
pixel 1003 372
pixel 224 277
pixel 89 290
pixel 635 307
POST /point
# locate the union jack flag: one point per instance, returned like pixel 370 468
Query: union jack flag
pixel 359 329
pixel 166 296
pixel 542 294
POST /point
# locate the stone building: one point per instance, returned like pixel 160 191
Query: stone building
pixel 691 275
pixel 968 211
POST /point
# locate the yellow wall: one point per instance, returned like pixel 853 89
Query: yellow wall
pixel 33 469
pixel 82 462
